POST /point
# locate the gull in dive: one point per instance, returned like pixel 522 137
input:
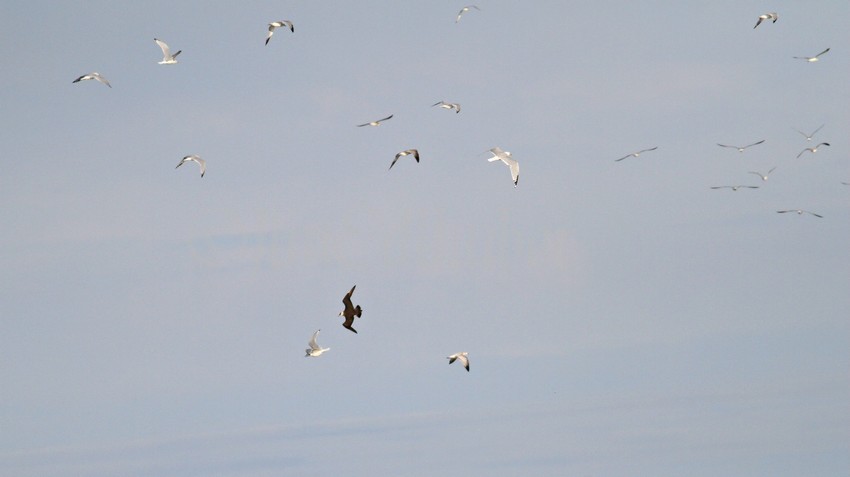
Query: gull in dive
pixel 464 10
pixel 282 23
pixel 446 105
pixel 505 156
pixel 167 57
pixel 350 310
pixel 407 152
pixel 93 76
pixel 462 357
pixel 375 123
pixel 636 154
pixel 812 149
pixel 810 136
pixel 741 148
pixel 799 212
pixel 197 159
pixel 763 176
pixel 314 349
pixel 736 187
pixel 767 16
pixel 811 59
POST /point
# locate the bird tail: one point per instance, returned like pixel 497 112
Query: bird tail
pixel 358 311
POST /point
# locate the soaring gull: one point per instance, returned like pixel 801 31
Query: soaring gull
pixel 464 10
pixel 799 212
pixel 505 156
pixel 350 310
pixel 194 158
pixel 636 154
pixel 463 357
pixel 375 123
pixel 811 59
pixel 167 57
pixel 314 349
pixel 414 152
pixel 812 149
pixel 763 176
pixel 282 23
pixel 741 148
pixel 446 105
pixel 93 76
pixel 767 16
pixel 736 187
pixel 810 136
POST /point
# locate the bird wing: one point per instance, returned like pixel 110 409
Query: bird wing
pixel 514 165
pixel 822 52
pixel 804 150
pixel 816 215
pixel 497 151
pixel 647 150
pixel 724 145
pixel 346 300
pixel 415 153
pixel 166 52
pixel 313 343
pixel 463 359
pixel 754 144
pixel 816 130
pixel 761 18
pixel 101 79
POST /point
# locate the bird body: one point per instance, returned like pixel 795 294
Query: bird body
pixel 167 57
pixel 463 357
pixel 636 154
pixel 812 59
pixel 408 152
pixel 810 136
pixel 736 187
pixel 92 76
pixel 350 311
pixel 275 25
pixel 505 157
pixel 376 122
pixel 813 150
pixel 763 176
pixel 464 10
pixel 741 148
pixel 799 212
pixel 315 350
pixel 767 16
pixel 193 158
pixel 446 105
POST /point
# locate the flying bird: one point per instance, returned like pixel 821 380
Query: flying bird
pixel 350 310
pixel 314 349
pixel 464 10
pixel 282 23
pixel 812 149
pixel 375 123
pixel 167 57
pixel 505 156
pixel 767 16
pixel 810 136
pixel 736 187
pixel 446 105
pixel 811 59
pixel 407 152
pixel 799 212
pixel 92 76
pixel 763 176
pixel 463 357
pixel 636 154
pixel 741 148
pixel 194 158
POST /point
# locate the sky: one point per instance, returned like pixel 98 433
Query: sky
pixel 621 317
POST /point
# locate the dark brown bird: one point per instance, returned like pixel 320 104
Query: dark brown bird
pixel 350 310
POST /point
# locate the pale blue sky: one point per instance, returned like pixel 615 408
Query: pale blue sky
pixel 621 318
